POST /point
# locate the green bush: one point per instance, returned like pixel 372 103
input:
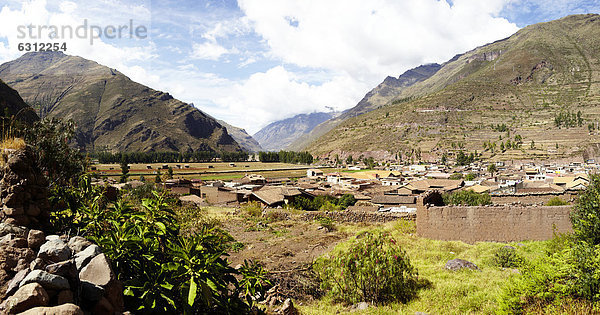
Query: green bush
pixel 162 270
pixel 253 209
pixel 327 223
pixel 467 197
pixel 507 257
pixel 374 269
pixel 556 201
pixel 324 203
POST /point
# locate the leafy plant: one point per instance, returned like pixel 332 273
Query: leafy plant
pixel 507 257
pixel 374 269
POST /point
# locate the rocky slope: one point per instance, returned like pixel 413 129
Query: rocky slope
pixel 377 97
pixel 280 134
pixel 111 111
pixel 11 104
pixel 246 142
pixel 525 82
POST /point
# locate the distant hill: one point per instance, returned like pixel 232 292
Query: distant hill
pixel 246 141
pixel 111 111
pixel 376 98
pixel 12 105
pixel 533 84
pixel 280 134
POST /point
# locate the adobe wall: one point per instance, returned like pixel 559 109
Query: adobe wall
pixel 531 199
pixel 500 223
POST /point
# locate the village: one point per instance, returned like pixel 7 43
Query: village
pixel 392 188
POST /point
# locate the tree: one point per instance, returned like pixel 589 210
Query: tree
pixel 124 171
pixel 492 168
pixel 170 173
pixel 532 145
pixel 586 215
pixel 349 160
pixel 158 179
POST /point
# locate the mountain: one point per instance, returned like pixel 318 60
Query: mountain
pixel 376 98
pixel 111 111
pixel 11 104
pixel 240 135
pixel 280 134
pixel 542 83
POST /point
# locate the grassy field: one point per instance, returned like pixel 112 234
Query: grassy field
pixel 462 292
pixel 287 243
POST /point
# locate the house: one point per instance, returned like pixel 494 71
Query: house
pixel 218 195
pixel 314 172
pixel 393 200
pixel 478 188
pixel 391 181
pixel 334 178
pixel 276 196
pixel 446 185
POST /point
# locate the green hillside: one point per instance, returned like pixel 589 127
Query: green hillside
pixel 112 112
pixel 525 82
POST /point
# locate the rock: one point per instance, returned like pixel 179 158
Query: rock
pixel 64 269
pixel 78 243
pixel 359 307
pixel 54 251
pixel 103 307
pixel 37 263
pixel 28 296
pixel 16 259
pixel 64 297
pixel 288 308
pixel 33 210
pixel 99 272
pixel 47 280
pixel 52 237
pixel 35 239
pixel 12 240
pixel 13 284
pixel 90 293
pixel 458 264
pixel 83 257
pixel 16 230
pixel 64 309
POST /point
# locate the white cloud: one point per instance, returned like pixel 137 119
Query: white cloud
pixel 278 94
pixel 371 39
pixel 208 50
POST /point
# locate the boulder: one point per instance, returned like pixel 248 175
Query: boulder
pixel 99 272
pixel 458 264
pixel 47 280
pixel 83 257
pixel 37 263
pixel 288 308
pixel 16 230
pixel 64 269
pixel 13 284
pixel 54 250
pixel 78 243
pixel 64 309
pixel 28 296
pixel 64 297
pixel 35 239
pixel 90 293
pixel 103 307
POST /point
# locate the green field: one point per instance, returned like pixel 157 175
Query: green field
pixel 207 171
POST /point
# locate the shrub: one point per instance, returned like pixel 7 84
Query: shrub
pixel 162 270
pixel 467 197
pixel 586 215
pixel 326 222
pixel 507 257
pixel 253 209
pixel 374 269
pixel 556 201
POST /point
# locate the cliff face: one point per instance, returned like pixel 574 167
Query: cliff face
pixel 111 111
pixel 246 141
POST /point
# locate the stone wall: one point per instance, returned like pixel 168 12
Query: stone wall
pixel 359 216
pixel 531 198
pixel 500 223
pixel 23 190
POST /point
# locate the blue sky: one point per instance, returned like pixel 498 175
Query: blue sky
pixel 251 62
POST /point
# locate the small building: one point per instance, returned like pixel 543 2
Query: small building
pixel 314 172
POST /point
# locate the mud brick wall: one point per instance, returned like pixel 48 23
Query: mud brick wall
pixel 501 223
pixel 531 199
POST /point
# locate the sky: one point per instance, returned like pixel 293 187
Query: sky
pixel 252 62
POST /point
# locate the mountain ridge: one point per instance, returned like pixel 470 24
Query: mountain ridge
pixel 111 111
